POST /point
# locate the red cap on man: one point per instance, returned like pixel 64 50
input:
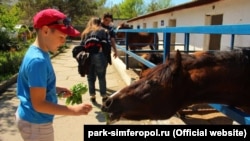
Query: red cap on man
pixel 55 19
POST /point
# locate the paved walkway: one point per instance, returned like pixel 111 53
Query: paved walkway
pixel 69 128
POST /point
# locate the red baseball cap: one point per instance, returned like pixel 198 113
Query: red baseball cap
pixel 55 19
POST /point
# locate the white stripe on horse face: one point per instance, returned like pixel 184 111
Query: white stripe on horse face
pixel 115 93
pixel 118 27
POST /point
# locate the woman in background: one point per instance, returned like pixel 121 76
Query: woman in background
pixel 94 38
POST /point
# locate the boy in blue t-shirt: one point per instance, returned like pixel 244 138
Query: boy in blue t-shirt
pixel 36 82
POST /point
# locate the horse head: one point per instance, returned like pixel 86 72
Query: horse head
pixel 221 77
pixel 143 99
pixel 122 26
pixel 137 40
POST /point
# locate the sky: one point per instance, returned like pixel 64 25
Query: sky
pixel 174 2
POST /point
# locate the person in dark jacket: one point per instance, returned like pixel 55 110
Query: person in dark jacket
pixel 106 22
pixel 95 41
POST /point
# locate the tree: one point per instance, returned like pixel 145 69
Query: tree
pixel 101 8
pixel 9 16
pixel 158 5
pixel 116 12
pixel 78 10
pixel 131 8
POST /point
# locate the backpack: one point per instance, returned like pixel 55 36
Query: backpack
pixel 76 50
pixel 89 45
pixel 82 58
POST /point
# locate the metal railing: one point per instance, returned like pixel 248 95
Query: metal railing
pixel 244 29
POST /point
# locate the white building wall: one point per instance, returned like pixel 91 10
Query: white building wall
pixel 236 12
pixel 233 11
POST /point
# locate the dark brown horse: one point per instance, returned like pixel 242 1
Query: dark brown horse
pixel 221 77
pixel 137 40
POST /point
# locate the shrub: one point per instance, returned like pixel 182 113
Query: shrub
pixel 10 63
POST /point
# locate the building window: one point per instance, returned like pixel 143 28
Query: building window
pixel 162 22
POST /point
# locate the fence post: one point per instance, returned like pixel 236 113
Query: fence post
pixel 166 45
pixel 186 42
pixel 126 57
pixel 232 42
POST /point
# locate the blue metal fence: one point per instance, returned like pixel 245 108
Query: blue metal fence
pixel 232 30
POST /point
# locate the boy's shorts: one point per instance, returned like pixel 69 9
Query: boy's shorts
pixel 35 132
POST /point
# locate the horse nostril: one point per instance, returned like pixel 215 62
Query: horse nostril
pixel 108 103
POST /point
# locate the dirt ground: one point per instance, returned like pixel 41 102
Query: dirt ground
pixel 205 115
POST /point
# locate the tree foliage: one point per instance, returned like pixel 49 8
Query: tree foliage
pixel 158 5
pixel 117 14
pixel 130 8
pixel 78 10
pixel 9 16
pixel 133 8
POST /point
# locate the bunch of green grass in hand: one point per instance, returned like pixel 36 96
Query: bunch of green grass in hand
pixel 77 91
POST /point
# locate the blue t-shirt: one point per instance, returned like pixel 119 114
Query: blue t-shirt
pixel 36 70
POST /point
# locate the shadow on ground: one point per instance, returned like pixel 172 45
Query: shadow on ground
pixel 7 110
pixel 203 114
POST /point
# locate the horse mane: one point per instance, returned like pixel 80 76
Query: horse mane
pixel 165 73
pixel 212 58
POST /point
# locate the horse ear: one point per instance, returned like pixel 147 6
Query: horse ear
pixel 177 61
pixel 178 58
pixel 123 24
